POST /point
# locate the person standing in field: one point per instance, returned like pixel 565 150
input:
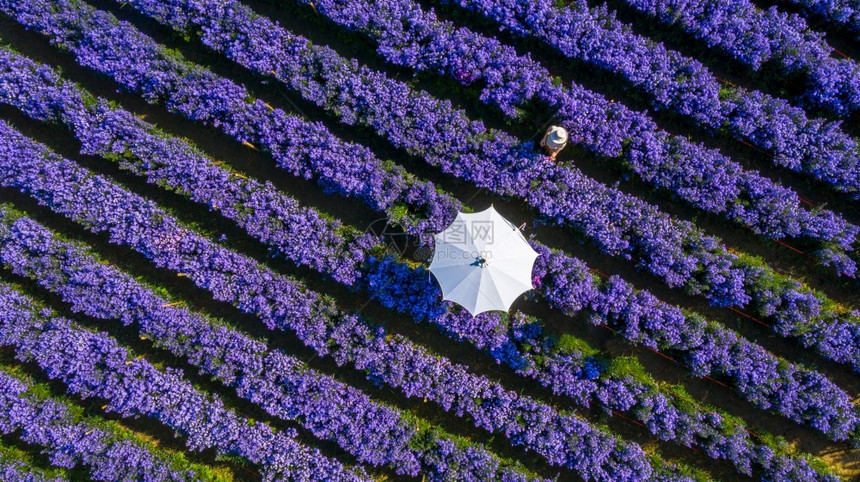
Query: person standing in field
pixel 554 141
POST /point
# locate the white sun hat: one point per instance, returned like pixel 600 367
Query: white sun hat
pixel 557 137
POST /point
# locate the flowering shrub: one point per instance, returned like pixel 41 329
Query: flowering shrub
pixel 620 224
pixel 569 286
pixel 15 470
pixel 282 385
pixel 811 146
pixel 559 292
pixel 407 36
pixel 842 13
pixel 236 32
pixel 410 292
pixel 754 37
pixel 283 303
pixel 93 365
pixel 70 440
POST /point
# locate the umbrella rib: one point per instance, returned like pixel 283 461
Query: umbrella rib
pixel 487 275
pixel 524 286
pixel 465 278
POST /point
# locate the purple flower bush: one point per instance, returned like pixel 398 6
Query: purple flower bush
pixel 14 470
pixel 374 433
pixel 519 342
pixel 295 232
pixel 93 365
pixel 709 349
pixel 30 250
pixel 411 292
pixel 811 146
pixel 409 37
pixel 302 148
pixel 567 195
pixel 763 206
pixel 759 393
pixel 843 405
pixel 841 13
pixel 754 37
pixel 283 386
pixel 71 440
pixel 283 303
pixel 674 250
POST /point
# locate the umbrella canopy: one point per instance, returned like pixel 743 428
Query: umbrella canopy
pixel 482 262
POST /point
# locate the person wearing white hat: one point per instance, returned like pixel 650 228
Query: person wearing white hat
pixel 554 141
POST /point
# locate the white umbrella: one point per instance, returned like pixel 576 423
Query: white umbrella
pixel 482 262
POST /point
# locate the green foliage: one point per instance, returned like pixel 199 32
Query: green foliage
pixel 397 212
pixel 628 366
pixel 570 344
pixel 9 453
pixel 115 430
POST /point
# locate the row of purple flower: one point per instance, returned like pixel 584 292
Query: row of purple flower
pixel 674 163
pixel 683 85
pixel 285 304
pixel 409 37
pixel 562 194
pixel 260 210
pixel 842 13
pixel 93 365
pixel 120 136
pixel 282 385
pixel 693 332
pixel 754 37
pixel 71 440
pixel 15 469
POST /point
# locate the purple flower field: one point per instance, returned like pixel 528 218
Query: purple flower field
pixel 217 221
